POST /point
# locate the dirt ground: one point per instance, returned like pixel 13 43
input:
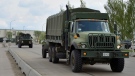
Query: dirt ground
pixel 15 67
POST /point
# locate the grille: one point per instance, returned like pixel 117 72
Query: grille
pixel 101 41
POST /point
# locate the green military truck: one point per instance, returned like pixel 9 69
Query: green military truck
pixel 16 40
pixel 24 40
pixel 82 36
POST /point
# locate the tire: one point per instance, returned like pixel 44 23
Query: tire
pixel 19 46
pixel 30 45
pixel 117 64
pixel 43 53
pixel 54 58
pixel 50 54
pixel 76 61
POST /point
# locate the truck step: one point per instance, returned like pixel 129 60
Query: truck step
pixel 61 55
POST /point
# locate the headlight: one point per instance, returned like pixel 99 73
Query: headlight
pixel 29 42
pixel 83 46
pixel 118 47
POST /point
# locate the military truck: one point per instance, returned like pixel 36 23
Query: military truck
pixel 16 40
pixel 25 40
pixel 82 36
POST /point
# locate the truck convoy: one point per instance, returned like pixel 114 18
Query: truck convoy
pixel 24 39
pixel 82 36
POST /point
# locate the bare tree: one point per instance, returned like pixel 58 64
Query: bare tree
pixel 83 4
pixel 61 9
pixel 70 6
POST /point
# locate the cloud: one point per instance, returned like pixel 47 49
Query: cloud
pixel 3 24
pixel 33 13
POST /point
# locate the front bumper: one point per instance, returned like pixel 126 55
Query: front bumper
pixel 104 54
pixel 26 42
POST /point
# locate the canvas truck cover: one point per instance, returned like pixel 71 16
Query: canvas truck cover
pixel 56 23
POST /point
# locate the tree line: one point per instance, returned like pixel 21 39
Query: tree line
pixel 123 14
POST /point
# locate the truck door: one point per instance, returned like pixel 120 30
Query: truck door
pixel 72 32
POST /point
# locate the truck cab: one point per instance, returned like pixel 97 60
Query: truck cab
pixel 25 40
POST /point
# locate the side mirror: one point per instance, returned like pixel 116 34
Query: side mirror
pixel 67 23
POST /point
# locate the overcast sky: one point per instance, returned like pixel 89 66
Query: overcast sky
pixel 32 14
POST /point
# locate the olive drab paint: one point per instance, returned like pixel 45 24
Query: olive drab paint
pixel 65 41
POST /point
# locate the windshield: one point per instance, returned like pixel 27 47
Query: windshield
pixel 87 25
pixel 25 36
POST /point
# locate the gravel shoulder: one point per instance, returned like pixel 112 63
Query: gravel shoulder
pixel 14 66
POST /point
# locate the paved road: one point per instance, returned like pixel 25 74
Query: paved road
pixel 32 56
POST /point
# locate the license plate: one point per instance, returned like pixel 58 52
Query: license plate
pixel 106 54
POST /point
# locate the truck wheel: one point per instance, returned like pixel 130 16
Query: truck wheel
pixel 50 54
pixel 19 46
pixel 43 53
pixel 117 64
pixel 54 58
pixel 76 61
pixel 30 45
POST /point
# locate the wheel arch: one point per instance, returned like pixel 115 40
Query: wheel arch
pixel 73 47
pixel 45 45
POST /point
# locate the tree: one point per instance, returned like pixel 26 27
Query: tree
pixel 37 34
pixel 116 11
pixel 9 35
pixel 18 33
pixel 61 9
pixel 69 5
pixel 42 36
pixel 123 14
pixel 130 18
pixel 83 4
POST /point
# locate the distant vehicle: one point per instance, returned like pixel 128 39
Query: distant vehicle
pixel 82 36
pixel 16 40
pixel 1 39
pixel 127 43
pixel 24 40
pixel 132 46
